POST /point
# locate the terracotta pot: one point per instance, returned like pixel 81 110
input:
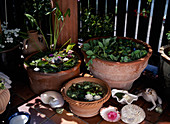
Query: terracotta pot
pixel 34 43
pixel 10 60
pixel 4 99
pixel 119 75
pixel 86 109
pixel 165 64
pixel 41 82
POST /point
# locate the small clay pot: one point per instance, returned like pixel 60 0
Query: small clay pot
pixel 86 109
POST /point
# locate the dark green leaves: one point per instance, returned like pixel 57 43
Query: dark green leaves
pixel 67 13
pixel 113 49
pixel 89 52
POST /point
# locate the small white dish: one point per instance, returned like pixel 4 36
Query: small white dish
pixel 123 96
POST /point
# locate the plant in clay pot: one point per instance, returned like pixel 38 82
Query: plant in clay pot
pixel 4 92
pixel 86 95
pixel 10 52
pixel 117 60
pixel 48 69
pixel 165 64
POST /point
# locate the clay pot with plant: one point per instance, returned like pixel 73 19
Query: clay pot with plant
pixel 165 62
pixel 48 70
pixel 4 92
pixel 118 61
pixel 10 52
pixel 86 95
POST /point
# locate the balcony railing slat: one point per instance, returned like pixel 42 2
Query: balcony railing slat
pixel 105 7
pixel 137 19
pixel 97 6
pixel 115 25
pixel 126 15
pixel 163 23
pixel 150 22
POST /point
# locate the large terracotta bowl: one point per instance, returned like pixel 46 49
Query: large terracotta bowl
pixel 41 82
pixel 119 75
pixel 86 109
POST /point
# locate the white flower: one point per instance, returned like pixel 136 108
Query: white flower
pixel 17 29
pixel 65 59
pixel 5 31
pixel 97 97
pixel 89 97
pixel 16 35
pixel 36 69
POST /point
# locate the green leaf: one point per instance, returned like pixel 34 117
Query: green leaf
pixel 67 13
pixel 50 11
pixel 86 46
pixel 106 42
pixel 89 52
pixel 42 63
pixel 70 46
pixel 100 44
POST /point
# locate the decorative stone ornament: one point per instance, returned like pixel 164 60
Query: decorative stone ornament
pixel 150 95
pixel 53 98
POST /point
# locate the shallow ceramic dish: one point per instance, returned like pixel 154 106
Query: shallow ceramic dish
pixel 132 114
pixel 19 118
pixel 127 98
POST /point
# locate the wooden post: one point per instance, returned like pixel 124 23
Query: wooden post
pixel 70 29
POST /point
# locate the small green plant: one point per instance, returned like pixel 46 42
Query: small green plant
pixel 37 8
pixel 114 49
pixel 120 95
pixel 168 35
pixel 2 84
pixel 86 91
pixel 168 38
pixel 9 38
pixel 95 25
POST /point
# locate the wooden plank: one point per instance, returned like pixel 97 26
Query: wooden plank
pixel 70 29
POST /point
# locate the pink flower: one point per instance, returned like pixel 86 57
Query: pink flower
pixel 112 115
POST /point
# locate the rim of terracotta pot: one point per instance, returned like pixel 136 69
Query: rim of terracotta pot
pixel 125 63
pixel 162 52
pixel 82 103
pixel 8 50
pixel 51 73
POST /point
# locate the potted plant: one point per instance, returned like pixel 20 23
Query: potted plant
pixel 165 62
pixel 10 52
pixel 86 95
pixel 95 25
pixel 4 92
pixel 47 70
pixel 117 60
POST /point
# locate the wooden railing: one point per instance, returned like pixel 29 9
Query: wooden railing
pixel 152 29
